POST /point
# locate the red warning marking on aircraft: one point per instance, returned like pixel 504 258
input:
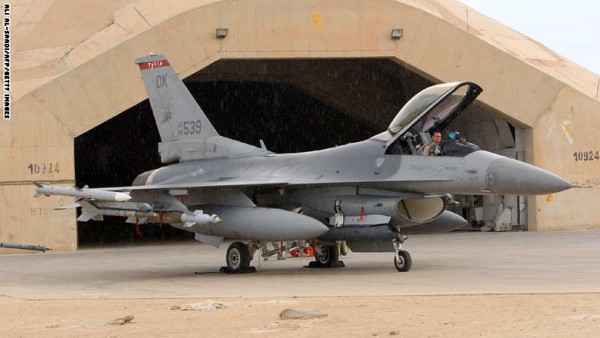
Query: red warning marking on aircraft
pixel 154 64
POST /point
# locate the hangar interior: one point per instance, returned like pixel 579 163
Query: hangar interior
pixel 293 105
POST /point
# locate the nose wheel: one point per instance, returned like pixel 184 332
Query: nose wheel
pixel 402 259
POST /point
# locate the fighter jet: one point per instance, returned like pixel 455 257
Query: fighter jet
pixel 366 193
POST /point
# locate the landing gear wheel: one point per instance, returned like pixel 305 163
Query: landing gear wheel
pixel 402 261
pixel 328 255
pixel 238 258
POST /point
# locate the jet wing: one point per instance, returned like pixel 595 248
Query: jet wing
pixel 140 202
pixel 199 185
pixel 240 184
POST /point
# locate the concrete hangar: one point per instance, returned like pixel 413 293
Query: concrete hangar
pixel 300 75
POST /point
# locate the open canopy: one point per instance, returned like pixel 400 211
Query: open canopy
pixel 434 107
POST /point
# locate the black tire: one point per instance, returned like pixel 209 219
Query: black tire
pixel 404 263
pixel 238 257
pixel 329 255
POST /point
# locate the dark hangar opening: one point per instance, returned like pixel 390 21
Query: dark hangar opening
pixel 292 105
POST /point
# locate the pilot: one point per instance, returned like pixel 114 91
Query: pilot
pixel 434 149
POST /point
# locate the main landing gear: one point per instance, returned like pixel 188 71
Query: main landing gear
pixel 328 256
pixel 238 258
pixel 402 259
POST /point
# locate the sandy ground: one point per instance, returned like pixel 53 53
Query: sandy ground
pixel 528 315
pixel 461 285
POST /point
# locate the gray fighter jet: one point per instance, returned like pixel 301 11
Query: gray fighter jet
pixel 366 193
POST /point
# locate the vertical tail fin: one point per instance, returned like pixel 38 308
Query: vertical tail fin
pixel 182 124
pixel 185 132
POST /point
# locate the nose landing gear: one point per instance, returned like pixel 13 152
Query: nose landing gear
pixel 402 259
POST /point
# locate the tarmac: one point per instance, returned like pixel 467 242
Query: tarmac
pixel 447 264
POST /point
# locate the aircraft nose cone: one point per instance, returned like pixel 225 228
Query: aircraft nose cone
pixel 508 176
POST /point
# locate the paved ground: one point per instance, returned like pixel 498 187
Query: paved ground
pixel 457 263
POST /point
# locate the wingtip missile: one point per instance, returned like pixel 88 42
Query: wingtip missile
pixel 96 194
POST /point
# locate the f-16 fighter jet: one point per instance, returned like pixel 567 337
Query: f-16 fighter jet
pixel 363 193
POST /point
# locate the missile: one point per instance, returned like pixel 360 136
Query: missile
pixel 90 212
pixel 124 213
pixel 97 194
pixel 198 217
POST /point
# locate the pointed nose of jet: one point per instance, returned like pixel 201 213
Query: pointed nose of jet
pixel 508 176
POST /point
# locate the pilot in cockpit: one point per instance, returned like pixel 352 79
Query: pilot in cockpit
pixel 434 148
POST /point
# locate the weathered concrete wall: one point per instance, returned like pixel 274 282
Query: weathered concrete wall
pixel 97 80
pixel 564 141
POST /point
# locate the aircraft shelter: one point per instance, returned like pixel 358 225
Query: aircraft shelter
pixel 300 75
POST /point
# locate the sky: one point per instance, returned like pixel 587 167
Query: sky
pixel 569 27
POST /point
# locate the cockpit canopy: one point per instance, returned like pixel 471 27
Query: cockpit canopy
pixel 431 109
pixel 434 106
